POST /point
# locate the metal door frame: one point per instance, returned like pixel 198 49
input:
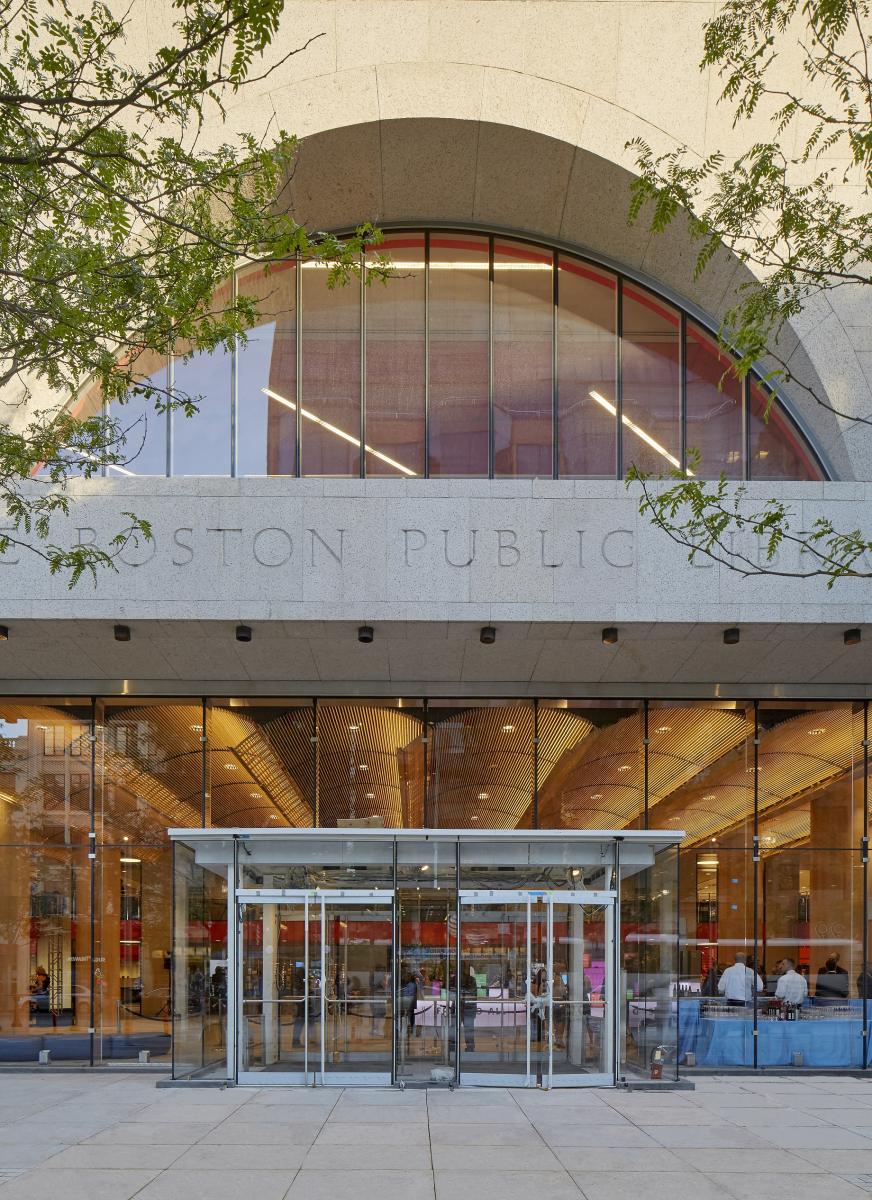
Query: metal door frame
pixel 529 896
pixel 319 899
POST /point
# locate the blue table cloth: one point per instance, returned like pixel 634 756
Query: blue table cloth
pixel 725 1041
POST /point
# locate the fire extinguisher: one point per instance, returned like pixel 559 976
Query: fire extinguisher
pixel 658 1058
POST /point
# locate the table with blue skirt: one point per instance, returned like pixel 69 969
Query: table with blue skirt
pixel 721 1039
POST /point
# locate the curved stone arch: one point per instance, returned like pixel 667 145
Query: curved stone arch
pixel 435 171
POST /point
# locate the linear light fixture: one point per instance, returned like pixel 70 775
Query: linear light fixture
pixel 639 432
pixel 310 416
pixel 479 264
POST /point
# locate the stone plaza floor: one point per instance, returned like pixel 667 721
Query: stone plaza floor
pixel 113 1137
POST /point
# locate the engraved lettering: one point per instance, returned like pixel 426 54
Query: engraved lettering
pixel 543 555
pixel 408 547
pixel 335 554
pixel 137 543
pixel 580 533
pixel 472 536
pixel 81 540
pixel 189 550
pixel 625 552
pixel 224 543
pixel 277 550
pixel 507 544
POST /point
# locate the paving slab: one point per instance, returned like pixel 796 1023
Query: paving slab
pixel 729 1140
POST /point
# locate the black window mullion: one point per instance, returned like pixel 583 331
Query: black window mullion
pixel 427 354
pixel 555 386
pixel 755 866
pixel 298 346
pixel 619 378
pixel 490 360
pixel 362 464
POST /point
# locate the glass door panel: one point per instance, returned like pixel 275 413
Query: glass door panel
pixel 495 977
pixel 273 1032
pixel 582 994
pixel 357 957
pixel 537 989
pixel 426 969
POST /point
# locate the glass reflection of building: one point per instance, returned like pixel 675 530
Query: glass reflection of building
pixel 771 798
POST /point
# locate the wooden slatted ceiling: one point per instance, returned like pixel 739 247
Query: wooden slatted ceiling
pixel 362 772
pixel 795 757
pixel 605 787
pixel 480 759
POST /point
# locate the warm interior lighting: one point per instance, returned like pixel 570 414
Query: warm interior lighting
pixel 817 732
pixel 610 636
pixel 508 729
pixel 639 431
pixel 483 796
pixel 130 860
pixel 4 633
pixel 310 416
pixel 852 637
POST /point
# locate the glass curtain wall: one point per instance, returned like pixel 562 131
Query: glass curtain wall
pixel 771 909
pixel 483 356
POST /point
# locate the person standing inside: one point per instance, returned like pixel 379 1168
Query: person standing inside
pixel 739 983
pixel 791 987
pixel 832 981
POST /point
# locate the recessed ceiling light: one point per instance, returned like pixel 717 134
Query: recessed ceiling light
pixel 817 732
pixel 196 729
pixel 273 817
pixel 711 796
pixel 596 795
pixel 255 795
pixel 610 636
pixel 362 767
pixel 370 795
pixel 130 860
pixel 125 838
pixel 473 817
pixel 230 767
pixel 575 872
pixel 508 729
pixel 664 729
pixel 483 796
pixel 624 767
pixel 852 637
pixel 353 728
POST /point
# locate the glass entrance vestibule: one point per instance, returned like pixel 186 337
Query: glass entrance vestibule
pixel 366 956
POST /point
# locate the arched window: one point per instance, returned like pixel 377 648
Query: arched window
pixel 486 356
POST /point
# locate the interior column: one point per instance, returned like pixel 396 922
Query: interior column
pixel 270 943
